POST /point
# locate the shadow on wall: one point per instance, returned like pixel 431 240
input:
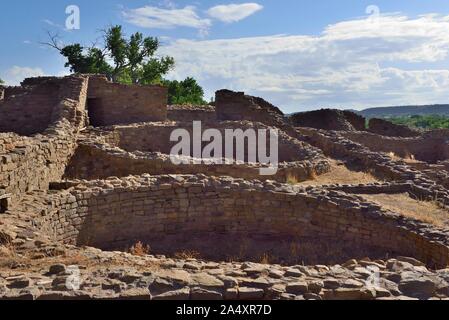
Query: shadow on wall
pixel 161 214
pixel 27 110
pixel 112 103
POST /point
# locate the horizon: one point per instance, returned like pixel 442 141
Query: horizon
pixel 299 56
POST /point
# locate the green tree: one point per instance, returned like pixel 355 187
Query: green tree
pixel 1 81
pixel 187 91
pixel 130 60
pixel 133 60
pixel 423 121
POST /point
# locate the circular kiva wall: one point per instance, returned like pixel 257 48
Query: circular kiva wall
pixel 144 148
pixel 228 218
pixel 155 137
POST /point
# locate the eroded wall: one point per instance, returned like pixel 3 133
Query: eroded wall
pixel 236 106
pixel 30 112
pixel 386 128
pixel 31 163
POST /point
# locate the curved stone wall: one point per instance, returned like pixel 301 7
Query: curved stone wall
pixel 144 148
pixel 428 148
pixel 114 214
pixel 100 161
pixel 155 137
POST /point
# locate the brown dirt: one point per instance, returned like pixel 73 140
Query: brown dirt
pixel 340 174
pixel 425 211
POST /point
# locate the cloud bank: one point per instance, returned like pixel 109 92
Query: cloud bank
pixel 351 64
pixel 170 17
pixel 234 12
pixel 154 17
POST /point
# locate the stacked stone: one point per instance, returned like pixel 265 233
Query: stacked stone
pixel 112 213
pixel 334 144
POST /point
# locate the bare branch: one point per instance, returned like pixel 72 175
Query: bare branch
pixel 53 41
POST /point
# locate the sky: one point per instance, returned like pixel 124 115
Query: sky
pixel 298 54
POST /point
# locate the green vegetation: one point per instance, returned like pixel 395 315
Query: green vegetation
pixel 130 60
pixel 424 122
pixel 185 92
pixel 1 81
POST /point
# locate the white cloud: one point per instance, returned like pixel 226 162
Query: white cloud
pixel 16 74
pixel 352 64
pixel 165 18
pixel 234 12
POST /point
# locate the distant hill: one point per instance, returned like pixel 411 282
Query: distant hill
pixel 403 111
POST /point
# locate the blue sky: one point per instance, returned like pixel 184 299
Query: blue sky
pixel 298 54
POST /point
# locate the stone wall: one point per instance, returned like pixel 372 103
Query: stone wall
pixel 155 137
pixel 328 119
pixel 111 103
pixel 192 113
pixel 30 112
pixel 428 148
pixel 386 128
pixel 334 144
pixel 114 213
pixel 236 106
pixel 357 121
pixel 98 161
pixel 10 92
pixel 31 163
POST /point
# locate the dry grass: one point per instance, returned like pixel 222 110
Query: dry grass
pixel 9 260
pixel 266 258
pixel 410 159
pixel 187 254
pixel 340 174
pixel 140 250
pixel 425 211
pixel 292 179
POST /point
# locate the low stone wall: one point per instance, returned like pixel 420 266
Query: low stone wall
pixel 99 161
pixel 112 103
pixel 386 128
pixel 334 144
pixel 114 213
pixel 155 137
pixel 426 148
pixel 191 113
pixel 328 119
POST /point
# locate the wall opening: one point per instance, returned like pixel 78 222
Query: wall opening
pixel 3 205
pixel 96 111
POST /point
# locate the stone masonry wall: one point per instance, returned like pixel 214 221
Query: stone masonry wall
pixel 192 113
pixel 30 112
pixel 111 103
pixel 10 92
pixel 381 165
pixel 113 213
pixel 386 128
pixel 425 148
pixel 326 119
pixel 236 106
pixel 155 137
pixel 31 163
pixel 98 161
